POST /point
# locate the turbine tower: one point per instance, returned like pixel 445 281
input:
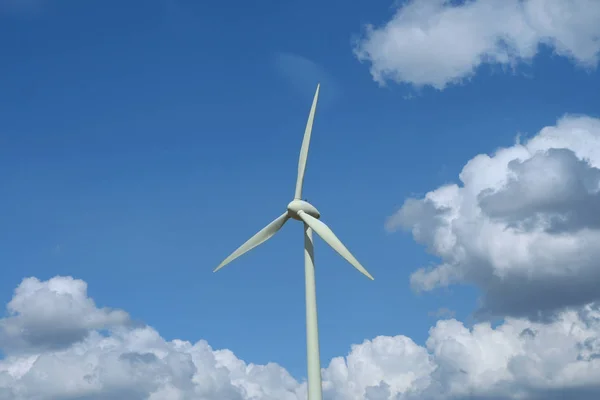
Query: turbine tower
pixel 305 212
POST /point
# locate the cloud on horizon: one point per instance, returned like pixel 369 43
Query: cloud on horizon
pixel 111 358
pixel 437 43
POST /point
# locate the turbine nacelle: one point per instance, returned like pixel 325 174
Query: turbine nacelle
pixel 298 205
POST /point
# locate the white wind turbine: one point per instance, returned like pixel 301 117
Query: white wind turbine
pixel 301 210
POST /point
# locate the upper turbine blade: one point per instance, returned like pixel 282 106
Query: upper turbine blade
pixel 305 144
pixel 266 233
pixel 328 236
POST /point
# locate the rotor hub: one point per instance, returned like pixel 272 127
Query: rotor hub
pixel 298 205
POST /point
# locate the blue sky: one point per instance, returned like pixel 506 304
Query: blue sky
pixel 142 142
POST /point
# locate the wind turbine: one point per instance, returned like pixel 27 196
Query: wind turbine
pixel 305 212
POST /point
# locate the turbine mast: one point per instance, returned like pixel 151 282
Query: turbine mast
pixel 312 330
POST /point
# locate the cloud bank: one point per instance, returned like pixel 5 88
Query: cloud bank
pixel 98 354
pixel 524 225
pixel 437 42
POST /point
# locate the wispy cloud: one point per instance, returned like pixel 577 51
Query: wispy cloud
pixel 442 313
pixel 303 74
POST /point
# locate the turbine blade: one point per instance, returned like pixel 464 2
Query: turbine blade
pixel 305 144
pixel 328 236
pixel 263 235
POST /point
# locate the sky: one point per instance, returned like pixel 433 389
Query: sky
pixel 455 152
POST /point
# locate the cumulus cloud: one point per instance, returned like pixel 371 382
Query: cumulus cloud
pixel 51 315
pixel 117 360
pixel 80 351
pixel 438 42
pixel 524 225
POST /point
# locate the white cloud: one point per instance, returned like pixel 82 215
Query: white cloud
pixel 53 314
pixel 436 42
pixel 102 356
pixel 524 226
pixel 516 360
